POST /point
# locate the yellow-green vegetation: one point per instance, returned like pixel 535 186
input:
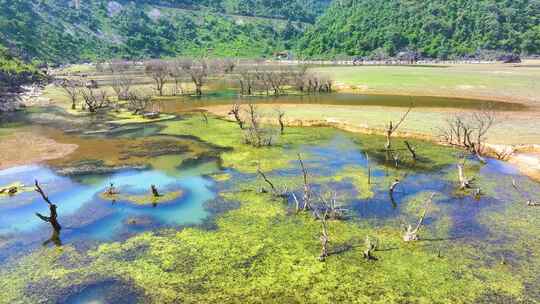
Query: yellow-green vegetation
pixel 358 177
pixel 244 157
pixel 124 117
pixel 221 177
pixel 145 199
pixel 14 189
pixel 259 253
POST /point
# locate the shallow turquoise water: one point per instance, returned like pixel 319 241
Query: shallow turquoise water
pixel 84 214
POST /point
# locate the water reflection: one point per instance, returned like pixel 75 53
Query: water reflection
pixel 183 104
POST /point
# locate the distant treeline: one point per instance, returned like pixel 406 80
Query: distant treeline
pixel 433 28
pixel 74 31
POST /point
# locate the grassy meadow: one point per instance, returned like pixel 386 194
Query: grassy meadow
pixel 519 82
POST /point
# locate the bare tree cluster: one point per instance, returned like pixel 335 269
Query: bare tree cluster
pixel 121 85
pixel 71 89
pixel 469 130
pixel 158 70
pixel 273 80
pixel 255 133
pixel 138 102
pixel 94 99
pixel 201 69
pixel 313 83
pixel 119 66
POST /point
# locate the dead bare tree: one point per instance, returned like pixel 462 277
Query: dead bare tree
pixel 158 70
pixel 235 110
pixel 278 78
pixel 504 153
pixel 391 191
pixel 411 150
pixel 94 99
pixel 469 131
pixel 154 191
pixel 312 83
pixel 257 135
pixel 280 115
pixel 369 249
pixel 71 90
pixel 299 78
pixel 225 65
pixel 52 218
pixel 411 234
pixel 324 238
pixel 391 128
pixel 118 66
pixel 247 79
pixel 394 185
pixel 177 73
pixel 307 188
pixel 121 85
pixel 395 157
pixel 368 165
pixel 138 102
pixel 464 182
pixel 525 195
pixel 198 71
pixel 331 208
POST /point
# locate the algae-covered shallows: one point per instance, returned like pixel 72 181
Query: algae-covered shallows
pixel 253 248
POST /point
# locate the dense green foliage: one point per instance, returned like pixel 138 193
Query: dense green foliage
pixel 435 28
pixel 14 72
pixel 297 10
pixel 55 30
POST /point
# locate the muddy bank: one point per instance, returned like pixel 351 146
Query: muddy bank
pixel 27 147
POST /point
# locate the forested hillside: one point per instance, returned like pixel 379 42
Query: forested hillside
pixel 65 30
pixel 435 28
pixel 75 30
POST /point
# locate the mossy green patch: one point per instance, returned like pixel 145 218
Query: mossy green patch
pixel 222 177
pixel 358 177
pixel 14 189
pixel 243 157
pixel 259 253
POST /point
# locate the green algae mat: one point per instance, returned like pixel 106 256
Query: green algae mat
pixel 219 235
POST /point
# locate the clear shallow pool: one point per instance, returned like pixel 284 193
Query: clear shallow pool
pixel 85 215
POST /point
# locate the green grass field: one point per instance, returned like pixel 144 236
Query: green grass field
pixel 484 81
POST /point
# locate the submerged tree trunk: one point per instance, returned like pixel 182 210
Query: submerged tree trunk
pixel 51 219
pixel 411 234
pixel 464 183
pixel 411 150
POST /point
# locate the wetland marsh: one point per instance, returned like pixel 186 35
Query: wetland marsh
pixel 223 237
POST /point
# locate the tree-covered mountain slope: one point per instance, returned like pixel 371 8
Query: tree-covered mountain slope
pixel 436 28
pixel 74 30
